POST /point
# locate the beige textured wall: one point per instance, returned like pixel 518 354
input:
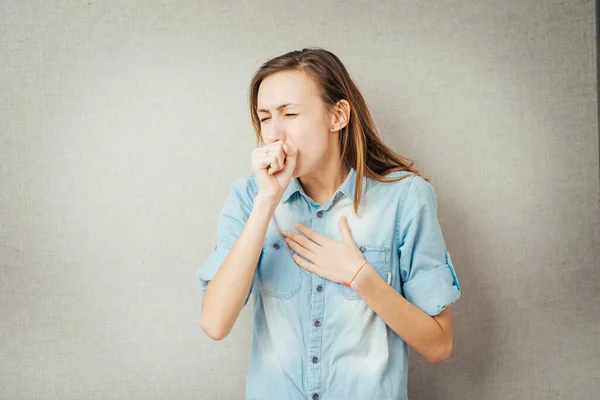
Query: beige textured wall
pixel 124 122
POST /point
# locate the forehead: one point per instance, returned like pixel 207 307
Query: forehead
pixel 287 87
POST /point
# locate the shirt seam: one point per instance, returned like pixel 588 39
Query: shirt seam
pixel 399 216
pixel 251 178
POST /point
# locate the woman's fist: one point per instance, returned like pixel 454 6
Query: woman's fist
pixel 273 166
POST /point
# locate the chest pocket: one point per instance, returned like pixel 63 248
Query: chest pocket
pixel 378 257
pixel 278 273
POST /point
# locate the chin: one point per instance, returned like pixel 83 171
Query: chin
pixel 299 172
pixel 303 170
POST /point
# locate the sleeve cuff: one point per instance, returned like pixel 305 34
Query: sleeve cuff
pixel 434 290
pixel 212 265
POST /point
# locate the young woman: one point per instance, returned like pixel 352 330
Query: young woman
pixel 337 236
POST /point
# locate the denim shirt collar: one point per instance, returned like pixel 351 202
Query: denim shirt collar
pixel 347 188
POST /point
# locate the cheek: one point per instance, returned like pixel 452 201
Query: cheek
pixel 311 140
pixel 309 137
pixel 311 149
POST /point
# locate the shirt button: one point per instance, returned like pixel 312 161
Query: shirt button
pixel 276 246
pixel 362 249
pixel 319 288
pixel 320 214
pixel 317 323
pixel 315 396
pixel 315 360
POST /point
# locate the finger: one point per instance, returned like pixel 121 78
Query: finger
pixel 304 264
pixel 312 234
pixel 258 152
pixel 267 161
pixel 275 150
pixel 274 165
pixel 258 163
pixel 280 154
pixel 257 157
pixel 302 241
pixel 304 252
pixel 345 230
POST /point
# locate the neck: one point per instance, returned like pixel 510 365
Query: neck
pixel 322 184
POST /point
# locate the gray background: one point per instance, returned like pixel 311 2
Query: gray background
pixel 123 124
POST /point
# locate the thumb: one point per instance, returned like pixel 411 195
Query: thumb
pixel 290 151
pixel 290 157
pixel 345 231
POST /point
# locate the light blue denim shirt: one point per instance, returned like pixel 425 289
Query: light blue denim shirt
pixel 317 339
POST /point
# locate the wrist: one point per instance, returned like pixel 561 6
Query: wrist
pixel 361 278
pixel 355 274
pixel 263 203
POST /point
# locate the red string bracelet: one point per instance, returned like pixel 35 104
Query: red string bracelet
pixel 348 284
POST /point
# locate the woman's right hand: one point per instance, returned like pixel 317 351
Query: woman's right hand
pixel 273 166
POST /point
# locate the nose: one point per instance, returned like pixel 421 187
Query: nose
pixel 274 131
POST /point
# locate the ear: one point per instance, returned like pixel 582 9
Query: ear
pixel 340 115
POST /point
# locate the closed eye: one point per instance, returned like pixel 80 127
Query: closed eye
pixel 287 115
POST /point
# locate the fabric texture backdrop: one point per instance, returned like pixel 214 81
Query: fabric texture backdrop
pixel 125 122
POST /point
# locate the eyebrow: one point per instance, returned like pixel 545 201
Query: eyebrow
pixel 279 108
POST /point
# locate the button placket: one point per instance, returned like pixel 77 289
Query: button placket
pixel 315 341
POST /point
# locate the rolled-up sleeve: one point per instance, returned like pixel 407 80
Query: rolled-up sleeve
pixel 429 279
pixel 234 215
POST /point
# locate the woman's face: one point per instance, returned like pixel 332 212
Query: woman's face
pixel 290 109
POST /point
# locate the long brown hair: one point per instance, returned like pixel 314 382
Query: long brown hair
pixel 360 144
